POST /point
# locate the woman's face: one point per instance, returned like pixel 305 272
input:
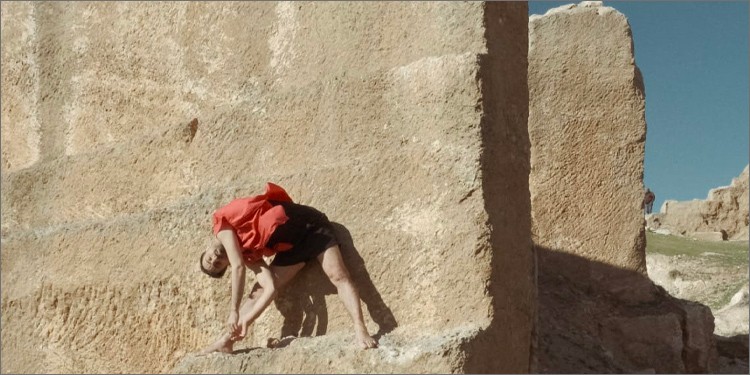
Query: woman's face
pixel 215 259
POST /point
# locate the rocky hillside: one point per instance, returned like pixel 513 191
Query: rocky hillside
pixel 711 273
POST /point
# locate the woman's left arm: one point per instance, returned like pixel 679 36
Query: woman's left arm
pixel 265 278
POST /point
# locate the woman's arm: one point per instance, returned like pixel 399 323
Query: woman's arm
pixel 265 278
pixel 232 247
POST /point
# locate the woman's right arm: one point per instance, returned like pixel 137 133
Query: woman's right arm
pixel 232 246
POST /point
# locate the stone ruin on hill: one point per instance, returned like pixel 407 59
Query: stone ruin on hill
pixel 722 215
pixel 410 124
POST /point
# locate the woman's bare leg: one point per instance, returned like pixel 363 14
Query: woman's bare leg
pixel 333 265
pixel 283 275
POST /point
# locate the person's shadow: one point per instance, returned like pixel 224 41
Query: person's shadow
pixel 303 304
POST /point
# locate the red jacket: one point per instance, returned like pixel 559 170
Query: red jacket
pixel 254 219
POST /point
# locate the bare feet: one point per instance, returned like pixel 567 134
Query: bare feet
pixel 223 345
pixel 364 340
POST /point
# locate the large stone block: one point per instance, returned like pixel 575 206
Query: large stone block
pixel 115 71
pixel 351 39
pixel 698 330
pixel 587 129
pixel 414 142
pixel 651 342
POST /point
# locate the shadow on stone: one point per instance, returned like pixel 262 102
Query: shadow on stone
pixel 599 318
pixel 505 344
pixel 283 343
pixel 244 351
pixel 303 303
pixel 733 347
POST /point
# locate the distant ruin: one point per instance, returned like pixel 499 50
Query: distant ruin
pixel 722 215
pixel 404 122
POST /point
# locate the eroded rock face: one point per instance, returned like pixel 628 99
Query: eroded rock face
pixel 405 123
pixel 724 211
pixel 587 131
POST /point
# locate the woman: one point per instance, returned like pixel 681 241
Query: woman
pixel 271 224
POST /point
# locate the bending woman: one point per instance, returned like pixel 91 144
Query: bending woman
pixel 263 225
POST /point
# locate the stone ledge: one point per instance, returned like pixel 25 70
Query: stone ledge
pixel 440 352
pixel 709 236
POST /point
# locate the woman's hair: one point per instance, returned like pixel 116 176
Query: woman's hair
pixel 216 275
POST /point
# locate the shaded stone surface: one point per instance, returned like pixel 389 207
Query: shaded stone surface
pixel 651 341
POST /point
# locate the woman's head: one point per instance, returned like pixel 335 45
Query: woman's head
pixel 214 260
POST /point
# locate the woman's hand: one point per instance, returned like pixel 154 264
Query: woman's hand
pixel 244 322
pixel 232 322
pixel 266 280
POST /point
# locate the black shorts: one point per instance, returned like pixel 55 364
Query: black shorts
pixel 308 230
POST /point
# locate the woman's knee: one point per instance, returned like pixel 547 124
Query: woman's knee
pixel 339 276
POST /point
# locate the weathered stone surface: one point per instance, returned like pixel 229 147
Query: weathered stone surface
pixel 587 131
pixel 725 209
pixel 649 341
pixel 700 347
pixel 404 122
pixel 599 312
pixel 330 354
pixel 672 342
pixel 20 87
pixel 583 329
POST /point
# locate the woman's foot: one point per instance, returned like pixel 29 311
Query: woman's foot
pixel 364 340
pixel 223 345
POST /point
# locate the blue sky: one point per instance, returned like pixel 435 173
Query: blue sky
pixel 694 60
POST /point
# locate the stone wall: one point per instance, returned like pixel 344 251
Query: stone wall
pixel 723 214
pixel 404 122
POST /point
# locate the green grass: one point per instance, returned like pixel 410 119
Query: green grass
pixel 725 271
pixel 731 253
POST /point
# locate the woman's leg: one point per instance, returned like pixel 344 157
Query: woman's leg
pixel 282 274
pixel 333 265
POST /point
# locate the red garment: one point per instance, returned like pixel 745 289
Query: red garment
pixel 254 219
